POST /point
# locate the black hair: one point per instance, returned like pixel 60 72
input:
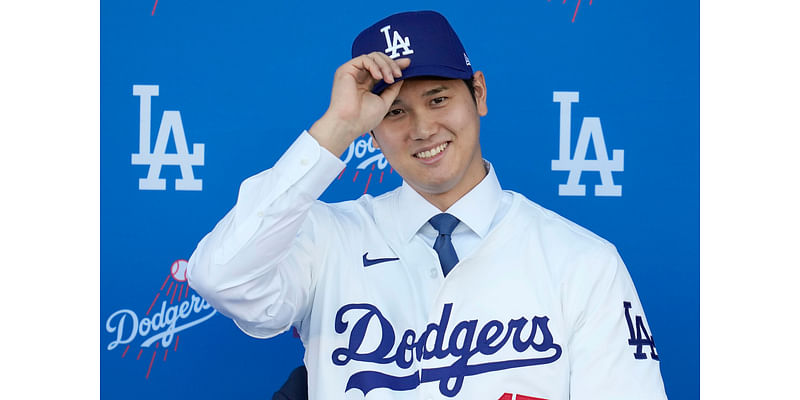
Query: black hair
pixel 471 87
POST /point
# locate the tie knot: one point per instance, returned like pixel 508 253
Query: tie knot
pixel 444 223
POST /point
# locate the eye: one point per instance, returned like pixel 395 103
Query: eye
pixel 439 100
pixel 394 112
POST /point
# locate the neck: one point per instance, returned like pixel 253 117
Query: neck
pixel 443 201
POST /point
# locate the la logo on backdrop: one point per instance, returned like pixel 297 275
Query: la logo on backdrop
pixel 577 164
pixel 157 331
pixel 170 123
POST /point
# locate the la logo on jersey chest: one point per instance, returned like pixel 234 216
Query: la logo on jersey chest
pixel 395 43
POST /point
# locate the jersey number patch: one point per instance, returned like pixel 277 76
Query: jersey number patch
pixel 640 337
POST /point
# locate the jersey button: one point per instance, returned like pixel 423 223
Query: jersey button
pixel 434 273
pixel 304 162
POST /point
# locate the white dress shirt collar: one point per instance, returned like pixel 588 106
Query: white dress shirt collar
pixel 476 209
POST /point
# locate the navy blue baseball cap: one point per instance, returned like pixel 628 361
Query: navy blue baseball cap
pixel 423 36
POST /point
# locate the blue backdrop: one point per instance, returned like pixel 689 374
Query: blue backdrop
pixel 214 92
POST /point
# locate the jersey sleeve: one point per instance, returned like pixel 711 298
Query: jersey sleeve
pixel 612 348
pixel 255 266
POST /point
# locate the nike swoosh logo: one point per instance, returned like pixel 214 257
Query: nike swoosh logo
pixel 368 262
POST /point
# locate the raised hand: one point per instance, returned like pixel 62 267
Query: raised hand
pixel 354 109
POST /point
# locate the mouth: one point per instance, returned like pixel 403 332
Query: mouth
pixel 431 153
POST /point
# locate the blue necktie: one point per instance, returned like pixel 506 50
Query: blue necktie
pixel 445 223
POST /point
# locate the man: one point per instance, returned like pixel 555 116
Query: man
pixel 445 287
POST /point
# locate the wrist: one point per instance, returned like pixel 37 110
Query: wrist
pixel 333 134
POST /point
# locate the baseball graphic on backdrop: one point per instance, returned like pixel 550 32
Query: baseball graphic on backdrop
pixel 178 270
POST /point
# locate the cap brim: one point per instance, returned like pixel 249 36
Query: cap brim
pixel 413 71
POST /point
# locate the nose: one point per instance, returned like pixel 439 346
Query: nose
pixel 425 126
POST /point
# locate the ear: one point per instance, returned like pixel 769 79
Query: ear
pixel 375 143
pixel 479 83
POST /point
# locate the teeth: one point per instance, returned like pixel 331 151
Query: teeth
pixel 432 152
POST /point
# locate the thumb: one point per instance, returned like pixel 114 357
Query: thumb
pixel 391 92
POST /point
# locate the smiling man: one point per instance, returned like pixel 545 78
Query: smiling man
pixel 445 287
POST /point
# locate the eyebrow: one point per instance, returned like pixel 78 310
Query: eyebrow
pixel 427 93
pixel 434 91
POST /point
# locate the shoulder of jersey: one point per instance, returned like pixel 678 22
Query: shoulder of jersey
pixel 364 204
pixel 557 224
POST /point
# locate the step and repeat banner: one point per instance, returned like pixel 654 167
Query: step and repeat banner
pixel 593 113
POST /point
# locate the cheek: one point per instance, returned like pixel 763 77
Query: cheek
pixel 465 127
pixel 388 141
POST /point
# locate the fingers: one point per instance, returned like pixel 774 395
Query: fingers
pixel 403 63
pixel 388 67
pixel 381 67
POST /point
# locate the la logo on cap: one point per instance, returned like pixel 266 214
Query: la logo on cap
pixel 399 42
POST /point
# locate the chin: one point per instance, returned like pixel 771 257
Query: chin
pixel 436 187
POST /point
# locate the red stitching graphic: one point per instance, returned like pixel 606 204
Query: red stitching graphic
pixel 578 5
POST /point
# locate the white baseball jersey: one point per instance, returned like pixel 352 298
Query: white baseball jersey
pixel 538 308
